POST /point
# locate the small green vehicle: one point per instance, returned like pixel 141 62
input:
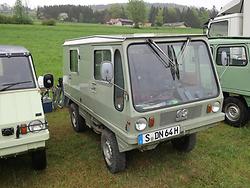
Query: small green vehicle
pixel 231 55
pixel 23 127
pixel 140 90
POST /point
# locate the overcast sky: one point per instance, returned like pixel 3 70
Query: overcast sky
pixel 199 3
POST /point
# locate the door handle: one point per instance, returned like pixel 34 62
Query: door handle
pixel 93 87
pixel 70 77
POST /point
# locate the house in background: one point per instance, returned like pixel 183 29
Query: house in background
pixel 176 25
pixel 120 22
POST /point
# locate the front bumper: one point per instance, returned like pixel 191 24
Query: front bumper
pixel 24 144
pixel 187 127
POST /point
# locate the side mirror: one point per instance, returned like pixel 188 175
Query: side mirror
pixel 224 58
pixel 107 71
pixel 48 81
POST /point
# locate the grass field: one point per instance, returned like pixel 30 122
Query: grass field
pixel 221 158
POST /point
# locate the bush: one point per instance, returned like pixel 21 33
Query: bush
pixel 14 20
pixel 6 19
pixel 23 20
pixel 50 22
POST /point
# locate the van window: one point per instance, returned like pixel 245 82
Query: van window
pixel 235 56
pixel 119 81
pixel 218 29
pixel 99 57
pixel 74 60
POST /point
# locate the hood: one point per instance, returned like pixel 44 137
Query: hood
pixel 20 106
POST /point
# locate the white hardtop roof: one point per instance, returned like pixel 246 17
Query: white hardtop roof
pixel 228 16
pixel 232 7
pixel 118 38
pixel 11 49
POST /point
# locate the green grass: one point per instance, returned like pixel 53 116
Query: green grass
pixel 221 158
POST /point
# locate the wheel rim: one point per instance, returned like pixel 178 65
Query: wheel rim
pixel 73 118
pixel 232 112
pixel 107 151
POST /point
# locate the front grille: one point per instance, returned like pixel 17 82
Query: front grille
pixel 170 117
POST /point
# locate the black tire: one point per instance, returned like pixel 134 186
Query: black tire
pixel 39 160
pixel 114 159
pixel 78 123
pixel 236 112
pixel 185 144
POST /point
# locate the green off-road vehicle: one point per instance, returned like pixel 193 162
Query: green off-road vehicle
pixel 140 90
pixel 231 55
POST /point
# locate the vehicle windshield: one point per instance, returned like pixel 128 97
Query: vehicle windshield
pixel 153 85
pixel 15 73
pixel 218 29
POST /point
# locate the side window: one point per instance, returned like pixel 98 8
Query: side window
pixel 99 57
pixel 74 60
pixel 218 29
pixel 119 81
pixel 232 56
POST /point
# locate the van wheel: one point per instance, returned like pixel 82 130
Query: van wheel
pixel 114 159
pixel 78 123
pixel 235 111
pixel 39 160
pixel 185 144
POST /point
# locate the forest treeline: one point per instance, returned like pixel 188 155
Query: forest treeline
pixel 192 16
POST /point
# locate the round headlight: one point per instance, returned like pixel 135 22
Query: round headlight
pixel 141 124
pixel 216 107
pixel 35 126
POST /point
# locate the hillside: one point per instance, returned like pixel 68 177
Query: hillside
pixel 162 5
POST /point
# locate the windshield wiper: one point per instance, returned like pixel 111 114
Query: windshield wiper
pixel 183 48
pixel 176 68
pixel 159 52
pixel 157 49
pixel 9 85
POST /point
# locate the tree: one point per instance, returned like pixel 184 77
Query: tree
pixel 137 11
pixel 165 15
pixel 101 16
pixel 20 14
pixel 117 11
pixel 191 17
pixel 172 15
pixel 152 15
pixel 213 12
pixel 159 17
pixel 19 10
pixel 203 16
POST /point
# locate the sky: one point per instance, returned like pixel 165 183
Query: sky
pixel 199 3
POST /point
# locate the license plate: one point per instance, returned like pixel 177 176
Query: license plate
pixel 158 135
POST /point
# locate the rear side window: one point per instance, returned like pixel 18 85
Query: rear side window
pixel 218 29
pixel 74 56
pixel 99 57
pixel 232 56
pixel 119 82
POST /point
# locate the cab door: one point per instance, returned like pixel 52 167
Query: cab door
pixel 109 97
pixel 100 91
